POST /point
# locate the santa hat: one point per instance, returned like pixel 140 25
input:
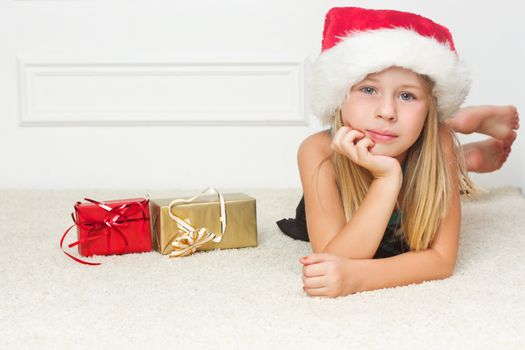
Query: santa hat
pixel 357 42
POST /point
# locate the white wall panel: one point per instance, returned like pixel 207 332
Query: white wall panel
pixel 68 93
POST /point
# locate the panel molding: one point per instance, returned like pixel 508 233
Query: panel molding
pixel 59 93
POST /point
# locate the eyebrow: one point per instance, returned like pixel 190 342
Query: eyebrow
pixel 402 86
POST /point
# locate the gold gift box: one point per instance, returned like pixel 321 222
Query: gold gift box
pixel 204 211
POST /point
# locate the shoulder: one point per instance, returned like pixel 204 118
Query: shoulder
pixel 315 151
pixel 318 143
pixel 324 210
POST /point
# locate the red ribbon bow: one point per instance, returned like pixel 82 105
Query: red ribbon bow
pixel 115 219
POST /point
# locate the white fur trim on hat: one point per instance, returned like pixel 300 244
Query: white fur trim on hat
pixel 337 69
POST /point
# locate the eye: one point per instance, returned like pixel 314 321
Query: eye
pixel 405 96
pixel 367 90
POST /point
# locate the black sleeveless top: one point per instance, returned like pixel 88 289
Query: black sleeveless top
pixel 390 245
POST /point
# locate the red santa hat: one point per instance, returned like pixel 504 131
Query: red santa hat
pixel 357 42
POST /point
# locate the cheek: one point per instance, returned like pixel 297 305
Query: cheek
pixel 354 119
pixel 412 133
pixel 414 126
pixel 354 112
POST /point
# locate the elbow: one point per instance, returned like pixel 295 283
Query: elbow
pixel 445 264
pixel 447 269
pixel 448 272
pixel 442 272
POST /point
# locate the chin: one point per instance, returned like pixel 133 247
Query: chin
pixel 381 151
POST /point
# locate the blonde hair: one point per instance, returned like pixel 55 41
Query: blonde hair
pixel 426 183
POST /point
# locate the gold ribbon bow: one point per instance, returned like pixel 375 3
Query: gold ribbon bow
pixel 191 238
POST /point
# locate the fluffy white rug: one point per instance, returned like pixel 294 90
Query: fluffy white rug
pixel 252 297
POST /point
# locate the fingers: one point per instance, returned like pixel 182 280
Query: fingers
pixel 315 286
pixel 316 276
pixel 353 144
pixel 342 132
pixel 349 141
pixel 317 292
pixel 336 141
pixel 344 140
pixel 316 258
pixel 314 282
pixel 314 273
pixel 314 270
pixel 362 148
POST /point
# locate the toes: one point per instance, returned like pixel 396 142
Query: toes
pixel 513 136
pixel 506 153
pixel 505 156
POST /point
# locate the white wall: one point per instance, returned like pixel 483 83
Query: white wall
pixel 155 94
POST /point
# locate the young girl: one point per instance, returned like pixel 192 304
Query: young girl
pixel 381 204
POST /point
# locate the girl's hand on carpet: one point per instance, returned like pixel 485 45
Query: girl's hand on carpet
pixel 328 275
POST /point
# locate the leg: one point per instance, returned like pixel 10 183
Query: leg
pixel 496 121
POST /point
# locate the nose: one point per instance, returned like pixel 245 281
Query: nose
pixel 387 109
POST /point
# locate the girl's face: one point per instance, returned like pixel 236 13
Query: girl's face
pixel 390 108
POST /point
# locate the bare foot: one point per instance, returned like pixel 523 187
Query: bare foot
pixel 496 121
pixel 488 155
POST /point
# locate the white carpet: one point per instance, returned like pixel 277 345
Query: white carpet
pixel 250 298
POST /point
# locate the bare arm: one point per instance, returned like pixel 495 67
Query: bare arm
pixel 328 229
pixel 401 270
pixel 324 210
pixel 326 221
pixel 361 236
pixel 437 262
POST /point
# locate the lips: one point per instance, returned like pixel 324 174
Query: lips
pixel 381 135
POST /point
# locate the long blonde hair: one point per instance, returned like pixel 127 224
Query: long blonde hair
pixel 426 183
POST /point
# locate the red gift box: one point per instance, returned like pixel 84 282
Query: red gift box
pixel 111 227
